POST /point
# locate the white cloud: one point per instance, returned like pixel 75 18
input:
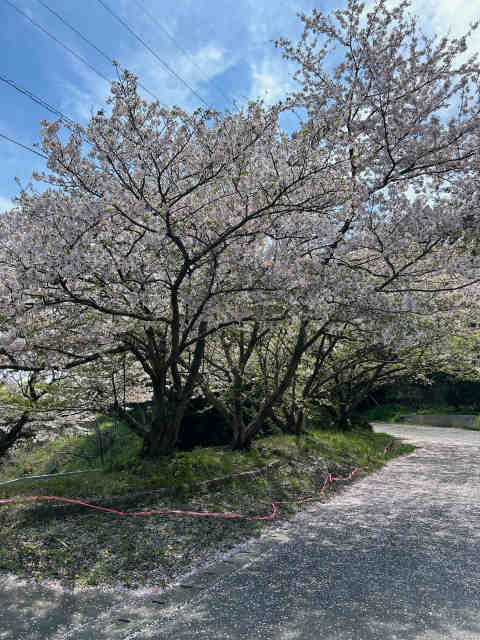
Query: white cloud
pixel 452 19
pixel 209 61
pixel 445 17
pixel 5 204
pixel 271 80
pixel 163 84
pixel 81 98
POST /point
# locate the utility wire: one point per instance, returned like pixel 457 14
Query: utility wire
pixel 76 55
pixel 59 17
pixel 162 62
pixel 102 53
pixel 184 51
pixel 23 146
pixel 36 99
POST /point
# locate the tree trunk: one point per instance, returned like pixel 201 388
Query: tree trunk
pixel 160 432
pixel 164 426
pixel 14 434
pixel 343 421
pixel 250 430
pixel 348 419
pixel 242 442
pixel 300 423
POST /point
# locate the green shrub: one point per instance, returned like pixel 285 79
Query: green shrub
pixel 386 412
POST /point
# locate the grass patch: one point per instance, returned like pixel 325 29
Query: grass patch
pixel 386 412
pixel 81 547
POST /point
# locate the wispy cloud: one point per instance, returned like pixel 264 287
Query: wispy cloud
pixel 444 17
pixel 221 39
pixel 270 80
pixel 5 204
pixel 79 102
pixel 453 19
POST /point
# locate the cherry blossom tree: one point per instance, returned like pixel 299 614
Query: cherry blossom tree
pixel 159 236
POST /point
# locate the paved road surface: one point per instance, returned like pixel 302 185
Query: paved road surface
pixel 395 557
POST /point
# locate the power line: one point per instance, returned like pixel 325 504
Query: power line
pixel 102 53
pixel 76 55
pixel 184 51
pixel 59 17
pixel 162 62
pixel 36 99
pixel 23 146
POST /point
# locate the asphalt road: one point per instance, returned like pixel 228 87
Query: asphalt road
pixel 393 557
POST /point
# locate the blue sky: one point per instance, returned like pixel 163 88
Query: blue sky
pixel 229 57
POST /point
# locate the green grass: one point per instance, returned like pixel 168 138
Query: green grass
pixel 386 412
pixel 80 547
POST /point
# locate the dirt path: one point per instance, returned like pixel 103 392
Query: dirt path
pixel 396 556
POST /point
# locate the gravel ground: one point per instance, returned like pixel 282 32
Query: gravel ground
pixel 395 556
